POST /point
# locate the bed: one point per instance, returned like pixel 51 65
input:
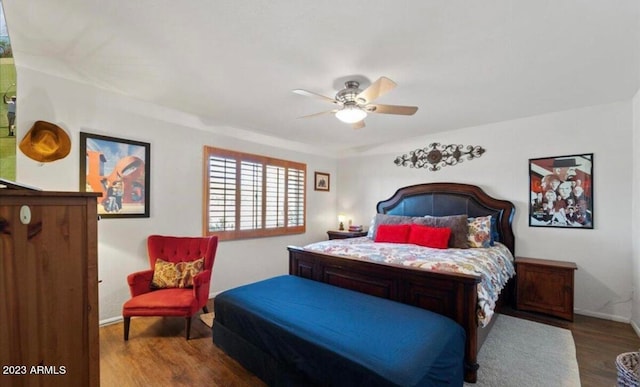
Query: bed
pixel 292 331
pixel 453 295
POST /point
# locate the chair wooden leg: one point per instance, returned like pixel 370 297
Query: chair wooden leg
pixel 188 326
pixel 127 323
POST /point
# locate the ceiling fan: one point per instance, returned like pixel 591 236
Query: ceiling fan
pixel 354 104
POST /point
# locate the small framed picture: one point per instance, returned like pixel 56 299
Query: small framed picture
pixel 561 190
pixel 321 181
pixel 120 170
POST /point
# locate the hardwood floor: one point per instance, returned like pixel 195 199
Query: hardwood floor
pixel 596 356
pixel 157 353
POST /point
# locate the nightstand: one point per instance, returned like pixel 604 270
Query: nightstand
pixel 345 234
pixel 545 286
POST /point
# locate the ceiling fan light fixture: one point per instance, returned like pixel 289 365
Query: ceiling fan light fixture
pixel 354 104
pixel 351 114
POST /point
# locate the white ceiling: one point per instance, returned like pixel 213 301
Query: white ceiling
pixel 464 63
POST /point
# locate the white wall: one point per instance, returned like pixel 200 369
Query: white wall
pixel 603 255
pixel 635 219
pixel 177 143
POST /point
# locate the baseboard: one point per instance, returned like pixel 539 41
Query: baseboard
pixel 109 321
pixel 603 316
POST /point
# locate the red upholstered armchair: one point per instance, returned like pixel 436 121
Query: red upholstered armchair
pixel 162 298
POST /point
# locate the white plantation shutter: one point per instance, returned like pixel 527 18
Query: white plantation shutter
pixel 275 197
pixel 251 196
pixel 295 204
pixel 222 194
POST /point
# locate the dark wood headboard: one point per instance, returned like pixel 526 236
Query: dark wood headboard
pixel 443 199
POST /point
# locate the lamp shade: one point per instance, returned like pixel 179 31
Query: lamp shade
pixel 351 114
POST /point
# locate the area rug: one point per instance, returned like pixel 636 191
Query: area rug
pixel 524 353
pixel 207 318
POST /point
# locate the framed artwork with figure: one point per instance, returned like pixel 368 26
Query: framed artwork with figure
pixel 561 191
pixel 120 170
pixel 321 181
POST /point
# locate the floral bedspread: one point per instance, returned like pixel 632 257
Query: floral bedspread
pixel 494 265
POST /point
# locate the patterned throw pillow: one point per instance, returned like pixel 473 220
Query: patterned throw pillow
pixel 480 231
pixel 175 275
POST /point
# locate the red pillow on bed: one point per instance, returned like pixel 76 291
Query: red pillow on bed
pixel 436 237
pixel 393 233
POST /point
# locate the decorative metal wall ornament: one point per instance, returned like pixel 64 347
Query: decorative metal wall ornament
pixel 436 156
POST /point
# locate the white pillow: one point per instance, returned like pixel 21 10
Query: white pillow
pixel 372 225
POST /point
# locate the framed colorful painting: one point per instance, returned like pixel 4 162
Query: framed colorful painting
pixel 120 170
pixel 561 190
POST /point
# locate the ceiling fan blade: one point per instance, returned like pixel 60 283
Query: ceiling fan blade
pixel 392 109
pixel 358 125
pixel 307 93
pixel 382 86
pixel 319 114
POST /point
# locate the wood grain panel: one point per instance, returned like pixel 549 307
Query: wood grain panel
pixel 49 305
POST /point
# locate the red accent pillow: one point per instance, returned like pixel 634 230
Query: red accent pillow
pixel 393 233
pixel 436 237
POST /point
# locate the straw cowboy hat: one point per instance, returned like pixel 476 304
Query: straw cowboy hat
pixel 45 142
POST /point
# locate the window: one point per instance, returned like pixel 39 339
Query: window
pixel 249 196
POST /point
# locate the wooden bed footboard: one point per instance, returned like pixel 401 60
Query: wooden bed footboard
pixel 449 294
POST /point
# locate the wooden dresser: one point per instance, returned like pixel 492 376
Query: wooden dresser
pixel 545 286
pixel 49 289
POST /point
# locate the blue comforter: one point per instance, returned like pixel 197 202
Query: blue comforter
pixel 338 337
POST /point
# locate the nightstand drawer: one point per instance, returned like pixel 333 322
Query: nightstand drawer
pixel 545 286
